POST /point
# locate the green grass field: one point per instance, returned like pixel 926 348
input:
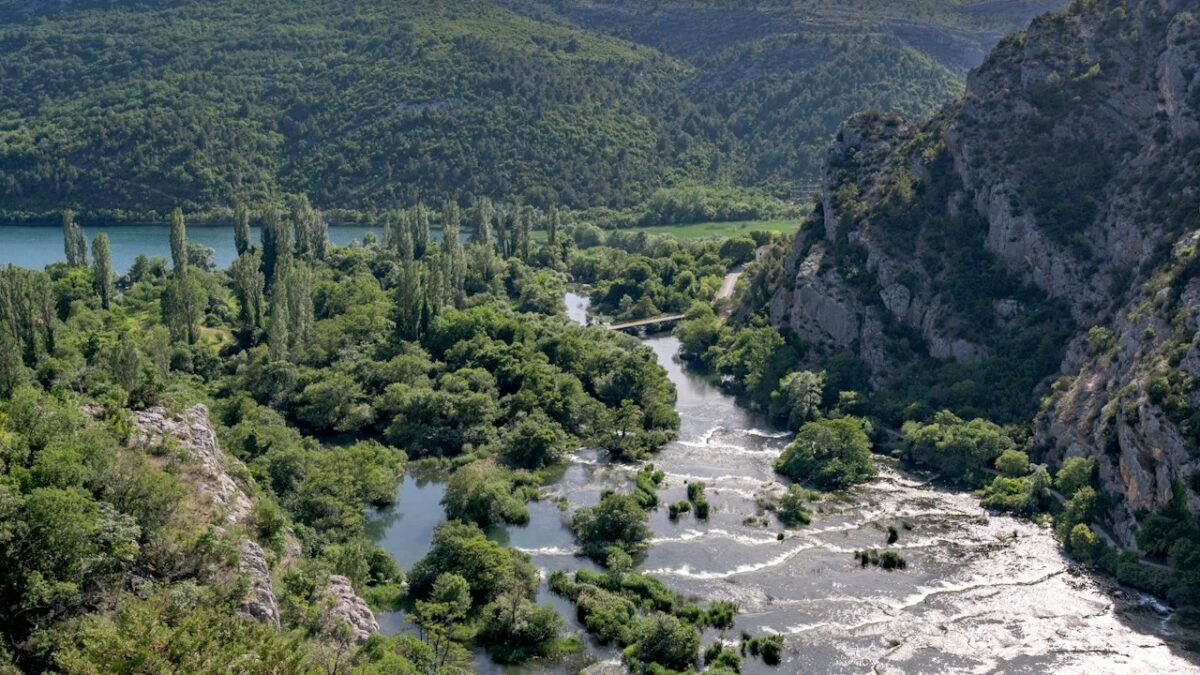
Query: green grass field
pixel 728 229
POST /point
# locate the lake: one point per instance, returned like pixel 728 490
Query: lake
pixel 36 246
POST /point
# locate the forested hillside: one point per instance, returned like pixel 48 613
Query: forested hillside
pixel 132 108
pixel 783 74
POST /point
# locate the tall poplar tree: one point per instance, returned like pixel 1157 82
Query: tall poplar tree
pixel 482 213
pixel 74 240
pixel 178 243
pixel 277 245
pixel 420 230
pixel 102 275
pixel 241 228
pixel 299 306
pixel 312 232
pixel 453 261
pixel 249 286
pixel 405 247
pixel 277 328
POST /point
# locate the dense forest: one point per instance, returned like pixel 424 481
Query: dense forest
pixel 324 374
pixel 126 109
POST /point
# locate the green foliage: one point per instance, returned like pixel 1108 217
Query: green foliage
pixel 888 560
pixel 535 441
pixel 666 641
pixel 484 494
pixel 516 630
pixel 181 629
pixel 738 250
pixel 637 277
pixel 617 521
pixel 678 508
pixel 954 447
pixel 1025 494
pixel 792 509
pixel 646 488
pixel 1013 463
pixel 1074 473
pixel 750 355
pixel 490 570
pixel 769 647
pixel 799 396
pixel 831 454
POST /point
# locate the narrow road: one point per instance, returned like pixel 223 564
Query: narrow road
pixel 729 282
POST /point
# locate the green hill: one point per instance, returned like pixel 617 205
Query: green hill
pixel 131 108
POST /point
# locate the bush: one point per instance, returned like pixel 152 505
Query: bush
pixel 792 509
pixel 679 508
pixel 667 641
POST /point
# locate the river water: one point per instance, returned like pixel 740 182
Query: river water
pixel 982 593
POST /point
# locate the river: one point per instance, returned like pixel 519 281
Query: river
pixel 982 592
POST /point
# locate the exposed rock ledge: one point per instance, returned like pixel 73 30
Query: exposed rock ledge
pixel 260 602
pixel 193 432
pixel 346 606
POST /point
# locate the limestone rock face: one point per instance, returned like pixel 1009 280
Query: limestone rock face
pixel 194 435
pixel 1070 171
pixel 260 602
pixel 346 606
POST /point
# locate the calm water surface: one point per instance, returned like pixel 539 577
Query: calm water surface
pixel 36 246
pixel 982 593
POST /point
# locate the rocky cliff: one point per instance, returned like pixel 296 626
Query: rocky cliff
pixel 1043 230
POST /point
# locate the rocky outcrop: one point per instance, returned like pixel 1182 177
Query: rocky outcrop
pixel 346 607
pixel 260 602
pixel 1062 188
pixel 191 432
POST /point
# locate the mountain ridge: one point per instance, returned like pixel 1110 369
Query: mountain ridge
pixel 1039 233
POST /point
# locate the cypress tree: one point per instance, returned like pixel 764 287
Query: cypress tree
pixel 183 303
pixel 241 228
pixel 502 239
pixel 102 269
pixel 27 311
pixel 178 243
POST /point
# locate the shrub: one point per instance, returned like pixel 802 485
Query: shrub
pixel 792 509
